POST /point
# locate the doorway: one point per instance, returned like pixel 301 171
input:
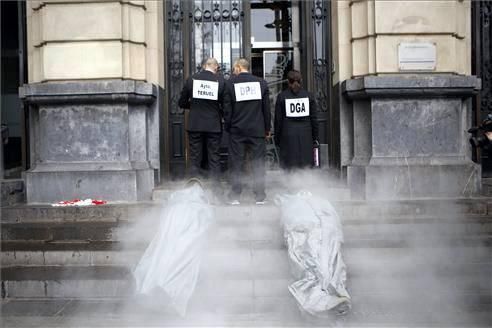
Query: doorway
pixel 267 32
pixel 272 43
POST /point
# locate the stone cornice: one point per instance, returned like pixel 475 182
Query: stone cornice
pixel 42 4
pixel 428 86
pixel 89 92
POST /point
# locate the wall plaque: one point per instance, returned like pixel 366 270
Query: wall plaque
pixel 417 56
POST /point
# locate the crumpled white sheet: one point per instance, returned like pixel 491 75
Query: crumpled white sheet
pixel 314 237
pixel 170 266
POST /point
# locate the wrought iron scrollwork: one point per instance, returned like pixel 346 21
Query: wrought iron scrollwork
pixel 319 12
pixel 321 65
pixel 482 67
pixel 217 32
pixel 322 78
pixel 485 13
pixel 176 15
pixel 175 56
pixel 486 56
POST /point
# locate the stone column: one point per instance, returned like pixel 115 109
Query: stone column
pixel 90 139
pixel 405 129
pixel 410 138
pixel 94 93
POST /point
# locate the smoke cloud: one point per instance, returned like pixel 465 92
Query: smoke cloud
pixel 409 263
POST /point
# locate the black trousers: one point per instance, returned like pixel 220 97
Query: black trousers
pixel 296 145
pixel 198 142
pixel 238 145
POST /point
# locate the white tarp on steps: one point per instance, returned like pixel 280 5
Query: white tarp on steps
pixel 314 237
pixel 170 265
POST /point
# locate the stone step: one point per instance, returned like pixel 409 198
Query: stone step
pixel 450 208
pixel 38 252
pixel 45 247
pixel 322 182
pixel 249 261
pixel 116 282
pixel 240 216
pixel 411 230
pixel 333 194
pixel 242 312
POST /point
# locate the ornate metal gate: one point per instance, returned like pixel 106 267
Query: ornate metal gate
pixel 482 67
pixel 222 28
pixel 196 30
pixel 317 47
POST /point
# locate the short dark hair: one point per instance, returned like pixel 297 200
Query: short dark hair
pixel 294 76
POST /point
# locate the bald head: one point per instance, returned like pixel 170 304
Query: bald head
pixel 211 64
pixel 241 65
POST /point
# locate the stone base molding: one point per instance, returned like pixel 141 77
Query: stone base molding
pixel 97 139
pixel 410 137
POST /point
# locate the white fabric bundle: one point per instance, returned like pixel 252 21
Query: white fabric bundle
pixel 170 265
pixel 314 239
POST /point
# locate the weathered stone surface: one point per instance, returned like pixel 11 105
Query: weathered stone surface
pixel 423 85
pixel 416 127
pixel 400 255
pixel 51 187
pixel 87 90
pixel 12 192
pixel 419 181
pixel 410 137
pixel 92 140
pixel 85 138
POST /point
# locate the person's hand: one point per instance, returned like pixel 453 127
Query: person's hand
pixel 268 135
pixel 316 143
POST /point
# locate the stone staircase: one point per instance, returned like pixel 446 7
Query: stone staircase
pixel 417 263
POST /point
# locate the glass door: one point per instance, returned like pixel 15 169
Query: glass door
pixel 274 42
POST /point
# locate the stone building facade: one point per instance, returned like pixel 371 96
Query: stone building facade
pixel 395 83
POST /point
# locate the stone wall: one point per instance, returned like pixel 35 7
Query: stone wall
pixel 74 40
pixel 96 79
pixel 366 35
pixel 410 138
pixel 403 133
pixel 92 140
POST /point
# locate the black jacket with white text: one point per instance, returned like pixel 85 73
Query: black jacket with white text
pixel 205 114
pixel 250 118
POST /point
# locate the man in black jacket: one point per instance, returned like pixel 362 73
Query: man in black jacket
pixel 248 123
pixel 206 96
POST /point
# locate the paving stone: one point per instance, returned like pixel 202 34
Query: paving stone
pixel 269 311
pixel 98 308
pixel 224 287
pixel 271 263
pixel 30 308
pixel 26 288
pixel 22 258
pixel 272 287
pixel 67 258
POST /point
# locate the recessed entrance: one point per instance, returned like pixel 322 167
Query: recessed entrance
pixel 266 32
